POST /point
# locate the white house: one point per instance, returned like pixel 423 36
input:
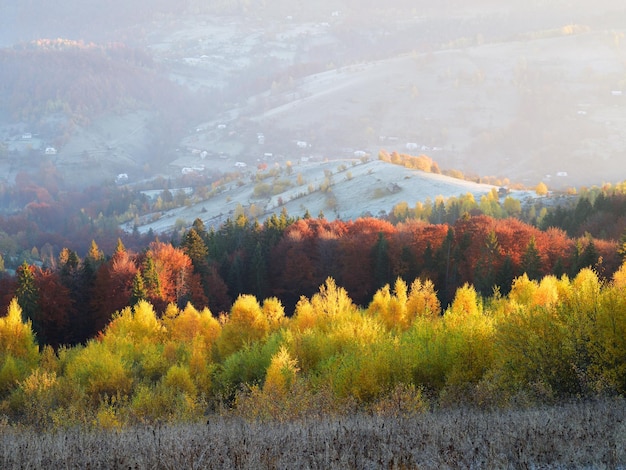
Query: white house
pixel 50 151
pixel 121 178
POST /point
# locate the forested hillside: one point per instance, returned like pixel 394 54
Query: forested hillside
pixel 306 317
pixel 81 81
pixel 287 258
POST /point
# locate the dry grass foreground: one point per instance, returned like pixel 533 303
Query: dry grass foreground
pixel 582 435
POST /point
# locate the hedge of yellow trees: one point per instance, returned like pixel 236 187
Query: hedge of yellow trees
pixel 547 340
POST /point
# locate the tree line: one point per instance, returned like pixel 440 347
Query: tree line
pixel 74 298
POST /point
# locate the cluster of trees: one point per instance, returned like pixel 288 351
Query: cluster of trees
pixel 546 340
pixel 599 211
pixel 75 300
pixel 72 299
pixel 41 218
pixel 42 215
pixel 420 162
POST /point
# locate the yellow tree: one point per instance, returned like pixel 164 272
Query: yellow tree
pixel 245 324
pixel 275 313
pixel 608 341
pixel 19 352
pixel 422 300
pixel 619 278
pixel 332 301
pixel 327 306
pixel 281 373
pixel 541 189
pixel 523 290
pixel 136 323
pixel 188 324
pixel 391 308
pixel 469 334
pixel 16 336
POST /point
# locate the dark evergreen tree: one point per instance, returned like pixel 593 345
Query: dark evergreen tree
pixel 447 260
pixel 558 270
pixel 235 276
pixel 531 260
pixel 194 246
pixel 68 262
pixel 139 291
pixel 583 211
pixel 438 215
pixel 200 228
pixel 411 268
pixel 259 272
pixel 487 266
pixel 506 275
pixel 381 262
pixel 83 323
pixel 94 257
pixel 602 203
pixel 151 277
pixel 589 256
pixel 621 246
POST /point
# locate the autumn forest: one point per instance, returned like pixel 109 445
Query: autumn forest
pixel 295 317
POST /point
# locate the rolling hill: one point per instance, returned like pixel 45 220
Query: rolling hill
pixel 340 189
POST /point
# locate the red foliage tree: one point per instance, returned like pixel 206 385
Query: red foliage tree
pixel 55 306
pixel 112 288
pixel 175 272
pixel 357 265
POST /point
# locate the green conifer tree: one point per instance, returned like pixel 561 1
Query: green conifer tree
pixel 382 263
pixel 531 260
pixel 28 298
pixel 139 290
pixel 151 277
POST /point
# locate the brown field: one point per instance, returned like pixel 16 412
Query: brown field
pixel 582 435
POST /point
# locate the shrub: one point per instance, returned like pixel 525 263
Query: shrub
pixel 246 367
pixel 178 380
pixel 99 372
pixel 403 400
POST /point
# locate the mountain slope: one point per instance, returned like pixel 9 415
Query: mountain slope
pixel 341 189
